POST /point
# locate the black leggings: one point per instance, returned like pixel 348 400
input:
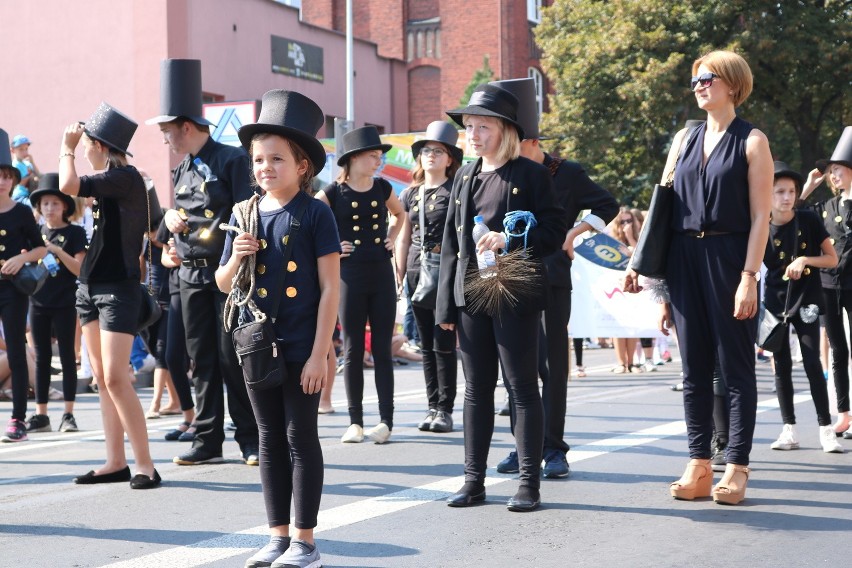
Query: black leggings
pixel 173 335
pixel 511 339
pixel 368 293
pixel 809 341
pixel 836 302
pixel 291 463
pixel 13 314
pixel 46 323
pixel 578 351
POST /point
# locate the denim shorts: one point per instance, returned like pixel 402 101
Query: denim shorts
pixel 114 305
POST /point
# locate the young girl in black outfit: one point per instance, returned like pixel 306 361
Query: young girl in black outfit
pixel 361 204
pixel 108 298
pixel 437 158
pixel 285 156
pixel 52 311
pixel 18 231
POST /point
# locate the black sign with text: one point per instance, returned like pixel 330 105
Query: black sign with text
pixel 297 59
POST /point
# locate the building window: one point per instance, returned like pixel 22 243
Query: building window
pixel 423 39
pixel 534 11
pixel 410 47
pixel 539 88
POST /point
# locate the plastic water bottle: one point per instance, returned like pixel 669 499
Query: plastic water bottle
pixel 49 261
pixel 486 261
pixel 204 170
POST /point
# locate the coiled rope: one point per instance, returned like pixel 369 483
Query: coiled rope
pixel 247 217
pixel 510 223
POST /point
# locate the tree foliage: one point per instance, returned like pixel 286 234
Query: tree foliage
pixel 619 72
pixel 482 75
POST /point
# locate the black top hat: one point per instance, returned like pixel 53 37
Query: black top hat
pixel 360 140
pixel 443 132
pixel 783 170
pixel 489 100
pixel 293 116
pixel 842 152
pixel 111 127
pixel 5 152
pixel 180 92
pixel 48 184
pixel 524 91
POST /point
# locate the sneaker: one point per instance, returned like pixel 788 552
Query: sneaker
pixel 580 372
pixel 380 433
pixel 353 435
pixel 299 555
pixel 264 557
pixel 718 461
pixel 829 442
pixel 509 464
pixel 250 455
pixel 678 387
pixel 787 440
pixel 649 366
pixel 591 345
pixel 427 422
pixel 666 356
pixel 39 423
pixel 505 410
pixel 442 423
pixel 16 431
pixel 554 465
pixel 196 456
pixel 68 424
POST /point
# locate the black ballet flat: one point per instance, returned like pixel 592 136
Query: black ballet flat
pixel 142 481
pixel 114 477
pixel 467 496
pixel 524 501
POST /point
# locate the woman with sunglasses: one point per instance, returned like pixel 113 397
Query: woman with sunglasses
pixel 723 196
pixel 625 229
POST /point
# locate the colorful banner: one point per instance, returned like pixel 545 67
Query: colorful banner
pixel 604 251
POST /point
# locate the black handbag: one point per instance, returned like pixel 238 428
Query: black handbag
pixel 771 331
pixel 150 310
pixel 426 292
pixel 651 256
pixel 30 278
pixel 255 343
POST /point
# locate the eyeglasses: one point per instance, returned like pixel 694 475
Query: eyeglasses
pixel 705 80
pixel 437 152
pixel 626 221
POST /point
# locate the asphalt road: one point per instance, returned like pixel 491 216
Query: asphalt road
pixel 384 505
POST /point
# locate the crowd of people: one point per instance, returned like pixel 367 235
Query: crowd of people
pixel 499 302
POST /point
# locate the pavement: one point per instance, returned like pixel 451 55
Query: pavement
pixel 384 505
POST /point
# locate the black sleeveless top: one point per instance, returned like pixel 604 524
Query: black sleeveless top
pixel 362 219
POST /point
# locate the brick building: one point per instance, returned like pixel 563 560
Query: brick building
pixel 443 43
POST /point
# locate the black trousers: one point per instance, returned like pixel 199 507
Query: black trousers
pixel 45 323
pixel 809 341
pixel 215 360
pixel 511 339
pixel 13 315
pixel 703 277
pixel 173 335
pixel 291 463
pixel 836 302
pixel 368 293
pixel 440 362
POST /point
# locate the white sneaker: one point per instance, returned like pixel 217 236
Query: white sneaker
pixel 649 366
pixel 829 442
pixel 354 435
pixel 380 433
pixel 787 440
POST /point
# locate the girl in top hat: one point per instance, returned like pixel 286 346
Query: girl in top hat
pixel 836 215
pixel 18 232
pixel 285 157
pixel 52 311
pixel 368 292
pixel 798 244
pixel 436 160
pixel 497 183
pixel 108 298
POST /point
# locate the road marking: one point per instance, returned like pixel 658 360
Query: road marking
pixel 243 542
pixel 30 480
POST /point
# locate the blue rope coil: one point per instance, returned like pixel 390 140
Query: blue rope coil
pixel 510 224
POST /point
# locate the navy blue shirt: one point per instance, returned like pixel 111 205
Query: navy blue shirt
pixel 362 219
pixel 18 230
pixel 296 323
pixel 59 291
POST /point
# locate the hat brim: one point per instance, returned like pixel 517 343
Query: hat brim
pixel 457 152
pixel 308 143
pixel 168 118
pixel 35 198
pixel 345 156
pixel 822 165
pixel 107 142
pixel 792 174
pixel 457 114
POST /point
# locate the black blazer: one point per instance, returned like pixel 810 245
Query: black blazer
pixel 529 188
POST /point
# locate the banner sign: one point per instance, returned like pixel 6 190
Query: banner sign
pixel 297 59
pixel 229 117
pixel 604 251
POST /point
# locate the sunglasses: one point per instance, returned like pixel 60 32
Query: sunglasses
pixel 437 152
pixel 704 80
pixel 626 221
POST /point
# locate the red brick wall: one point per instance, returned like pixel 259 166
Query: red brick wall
pixel 319 13
pixel 424 9
pixel 386 22
pixel 424 97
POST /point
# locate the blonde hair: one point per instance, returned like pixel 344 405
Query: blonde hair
pixel 79 209
pixel 418 174
pixel 299 155
pixel 510 142
pixel 618 229
pixel 731 68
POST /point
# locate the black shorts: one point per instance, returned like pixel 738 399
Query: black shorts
pixel 114 305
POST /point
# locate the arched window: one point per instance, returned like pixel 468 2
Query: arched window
pixel 539 87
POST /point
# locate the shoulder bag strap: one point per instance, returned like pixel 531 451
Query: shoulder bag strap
pixel 295 225
pixel 669 180
pixel 420 206
pixel 785 315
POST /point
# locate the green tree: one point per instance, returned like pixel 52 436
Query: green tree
pixel 482 75
pixel 620 69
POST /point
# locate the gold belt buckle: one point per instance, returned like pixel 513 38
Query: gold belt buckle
pixel 700 235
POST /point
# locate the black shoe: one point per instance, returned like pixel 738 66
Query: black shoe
pixel 555 465
pixel 175 434
pixel 442 423
pixel 427 422
pixel 509 464
pixel 718 462
pixel 68 423
pixel 142 481
pixel 196 456
pixel 251 454
pixel 114 477
pixel 39 423
pixel 525 500
pixel 469 494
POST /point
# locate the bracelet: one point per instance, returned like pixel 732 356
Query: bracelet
pixel 749 273
pixel 67 154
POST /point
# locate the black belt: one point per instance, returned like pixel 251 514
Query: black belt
pixel 196 263
pixel 702 234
